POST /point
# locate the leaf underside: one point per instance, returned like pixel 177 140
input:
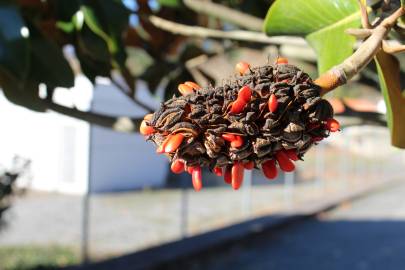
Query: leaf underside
pixel 389 76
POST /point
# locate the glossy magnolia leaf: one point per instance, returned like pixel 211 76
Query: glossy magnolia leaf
pixel 93 54
pixel 65 9
pixel 322 22
pixel 23 93
pixel 389 76
pixel 109 20
pixel 169 3
pixel 333 45
pixel 53 70
pixel 14 44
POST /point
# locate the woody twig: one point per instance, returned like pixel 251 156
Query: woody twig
pixel 376 35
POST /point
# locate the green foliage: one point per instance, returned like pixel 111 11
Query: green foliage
pixel 103 40
pixel 170 3
pixel 321 22
pixel 36 257
pixel 389 76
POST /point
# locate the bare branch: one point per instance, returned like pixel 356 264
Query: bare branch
pixel 202 32
pixel 227 14
pixel 359 33
pixel 364 15
pixel 117 123
pixel 131 97
pixel 392 48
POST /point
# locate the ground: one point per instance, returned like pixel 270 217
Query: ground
pixel 365 234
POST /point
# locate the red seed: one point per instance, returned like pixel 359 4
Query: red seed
pixel 196 178
pixel 245 93
pixel 292 154
pixel 237 106
pixel 269 169
pixel 185 89
pixel 284 162
pixel 237 175
pixel 273 103
pixel 313 126
pixel 193 85
pixel 189 170
pixel 228 137
pixel 332 125
pixel 281 61
pixel 317 139
pixel 249 165
pixel 228 174
pixel 144 129
pixel 174 143
pixel 238 142
pixel 161 148
pixel 177 166
pixel 242 67
pixel 218 171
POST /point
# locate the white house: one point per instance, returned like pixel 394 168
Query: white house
pixel 72 156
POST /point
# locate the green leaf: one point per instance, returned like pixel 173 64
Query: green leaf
pixel 14 55
pixel 389 76
pixel 108 20
pixel 322 22
pixel 23 93
pixel 67 27
pixel 64 10
pixel 48 64
pixel 169 3
pixel 138 60
pixel 333 45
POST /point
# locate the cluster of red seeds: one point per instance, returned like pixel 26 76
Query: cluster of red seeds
pixel 170 142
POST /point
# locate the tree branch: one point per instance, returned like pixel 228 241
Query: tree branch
pixel 202 32
pixel 340 74
pixel 227 14
pixel 117 123
pixel 131 97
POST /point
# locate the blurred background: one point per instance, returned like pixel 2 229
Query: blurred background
pixel 79 185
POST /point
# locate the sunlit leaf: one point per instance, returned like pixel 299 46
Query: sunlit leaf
pixel 322 22
pixel 332 44
pixel 389 76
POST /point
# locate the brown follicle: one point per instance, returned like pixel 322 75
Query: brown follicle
pixel 206 129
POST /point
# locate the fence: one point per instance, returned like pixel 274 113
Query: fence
pixel 126 222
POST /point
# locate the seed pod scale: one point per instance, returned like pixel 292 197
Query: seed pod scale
pixel 266 118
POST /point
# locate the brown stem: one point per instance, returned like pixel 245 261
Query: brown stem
pixel 343 72
pixel 197 31
pixel 117 123
pixel 227 14
pixel 132 97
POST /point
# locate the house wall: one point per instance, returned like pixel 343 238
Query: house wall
pixel 67 154
pixel 121 161
pixel 56 145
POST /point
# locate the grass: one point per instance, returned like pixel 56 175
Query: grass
pixel 36 257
